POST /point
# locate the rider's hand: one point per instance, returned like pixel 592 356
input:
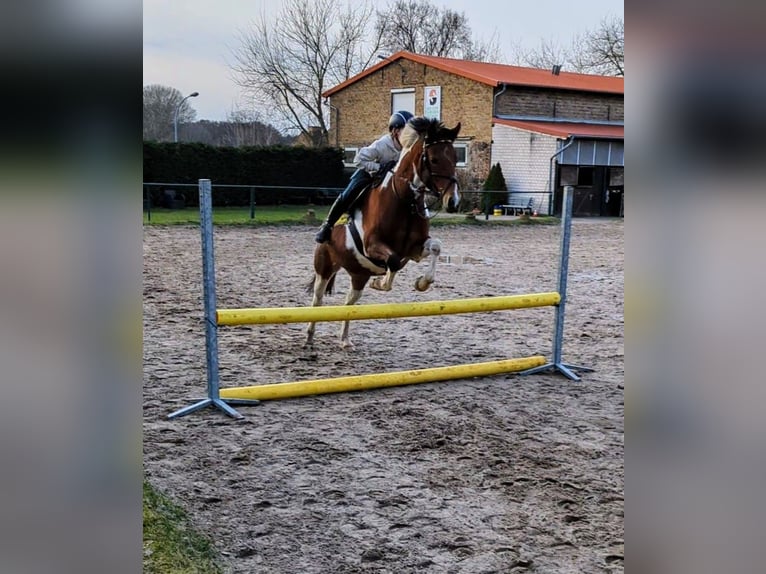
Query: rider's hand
pixel 386 167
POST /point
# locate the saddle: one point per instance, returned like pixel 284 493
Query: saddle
pixel 354 205
pixel 376 180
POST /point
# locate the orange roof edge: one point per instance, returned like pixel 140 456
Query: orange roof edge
pixel 567 129
pixel 364 73
pixel 497 74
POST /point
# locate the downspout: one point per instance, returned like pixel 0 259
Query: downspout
pixel 337 121
pixel 551 178
pixel 494 99
pixel 494 114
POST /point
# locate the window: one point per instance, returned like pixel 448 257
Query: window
pixel 349 154
pixel 461 149
pixel 403 99
pixel 585 176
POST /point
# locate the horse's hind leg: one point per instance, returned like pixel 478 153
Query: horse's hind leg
pixel 320 285
pixel 432 248
pixel 353 295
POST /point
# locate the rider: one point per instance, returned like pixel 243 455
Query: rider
pixel 369 160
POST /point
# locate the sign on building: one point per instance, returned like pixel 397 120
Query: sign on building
pixel 432 102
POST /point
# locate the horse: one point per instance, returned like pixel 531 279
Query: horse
pixel 389 224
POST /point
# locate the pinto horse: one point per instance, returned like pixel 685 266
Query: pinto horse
pixel 389 225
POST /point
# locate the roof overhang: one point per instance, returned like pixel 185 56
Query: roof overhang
pixel 588 144
pixel 566 130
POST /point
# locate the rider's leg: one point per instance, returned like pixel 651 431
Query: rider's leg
pixel 342 203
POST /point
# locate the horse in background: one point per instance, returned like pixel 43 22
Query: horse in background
pixel 389 226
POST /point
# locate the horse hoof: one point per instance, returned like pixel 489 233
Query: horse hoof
pixel 347 345
pixel 421 284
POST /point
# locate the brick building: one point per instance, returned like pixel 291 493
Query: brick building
pixel 545 128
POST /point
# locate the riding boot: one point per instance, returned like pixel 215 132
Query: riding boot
pixel 338 208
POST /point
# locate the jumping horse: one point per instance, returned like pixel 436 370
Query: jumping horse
pixel 389 226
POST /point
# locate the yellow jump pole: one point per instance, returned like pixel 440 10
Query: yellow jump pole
pixel 383 310
pixel 375 381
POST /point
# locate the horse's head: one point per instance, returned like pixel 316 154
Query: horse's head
pixel 436 169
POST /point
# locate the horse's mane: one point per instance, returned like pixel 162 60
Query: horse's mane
pixel 421 127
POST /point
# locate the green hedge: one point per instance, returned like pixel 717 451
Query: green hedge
pixel 294 167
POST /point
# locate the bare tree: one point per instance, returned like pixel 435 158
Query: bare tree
pixel 203 131
pixel 423 28
pixel 245 128
pixel 548 54
pixel 160 103
pixel 310 46
pixel 604 48
pixel 598 51
pixel 234 133
pixel 479 50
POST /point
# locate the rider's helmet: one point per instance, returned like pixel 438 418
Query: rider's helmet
pixel 399 119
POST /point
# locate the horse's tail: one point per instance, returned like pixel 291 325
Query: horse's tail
pixel 327 290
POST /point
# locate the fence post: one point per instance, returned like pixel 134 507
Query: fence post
pixel 252 203
pixel 148 191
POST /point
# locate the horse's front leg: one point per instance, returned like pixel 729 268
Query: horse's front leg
pixel 432 248
pixel 320 284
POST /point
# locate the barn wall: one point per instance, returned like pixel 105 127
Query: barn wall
pixel 525 159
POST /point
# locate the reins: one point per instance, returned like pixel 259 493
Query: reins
pixel 426 189
pixel 416 191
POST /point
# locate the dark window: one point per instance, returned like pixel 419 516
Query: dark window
pixel 585 176
pixel 461 151
pixel 348 155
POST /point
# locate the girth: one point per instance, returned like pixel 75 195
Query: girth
pixel 358 243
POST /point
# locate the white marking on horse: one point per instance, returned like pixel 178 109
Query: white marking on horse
pixel 351 246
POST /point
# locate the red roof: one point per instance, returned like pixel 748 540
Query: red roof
pixel 497 74
pixel 566 129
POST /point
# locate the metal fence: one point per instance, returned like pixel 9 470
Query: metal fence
pixel 473 200
pixel 177 196
pixel 182 195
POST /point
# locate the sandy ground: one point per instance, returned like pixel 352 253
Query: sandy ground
pixel 501 474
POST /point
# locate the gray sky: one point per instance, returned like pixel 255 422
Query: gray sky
pixel 188 44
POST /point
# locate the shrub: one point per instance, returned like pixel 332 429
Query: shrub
pixel 494 184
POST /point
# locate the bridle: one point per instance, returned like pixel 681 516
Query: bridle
pixel 427 188
pixel 451 179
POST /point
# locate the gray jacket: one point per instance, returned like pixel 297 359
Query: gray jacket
pixel 379 152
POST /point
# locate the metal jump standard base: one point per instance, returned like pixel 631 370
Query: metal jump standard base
pixel 558 332
pixel 211 327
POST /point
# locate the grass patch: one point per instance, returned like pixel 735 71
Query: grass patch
pixel 266 215
pixel 539 220
pixel 298 215
pixel 171 545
